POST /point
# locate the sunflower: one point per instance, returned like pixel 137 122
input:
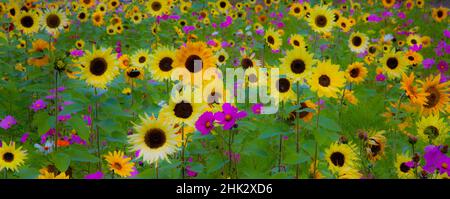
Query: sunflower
pixel 415 95
pixel 414 39
pixel 326 79
pixel 222 57
pixel 321 19
pixel 186 57
pixel 358 42
pixel 438 95
pixel 297 64
pixel 134 72
pixel 388 3
pixel 284 90
pixel 53 21
pixel 97 19
pixel 136 18
pixel 223 5
pixel 158 7
pixel 161 63
pixel 426 41
pixel 414 58
pixel 341 156
pixel 394 64
pixel 124 61
pixel 182 110
pixel 304 115
pixel 79 44
pixel 433 130
pixel 356 72
pixel 27 22
pixel 83 15
pixel 402 168
pixel 113 4
pixel 119 164
pixel 40 46
pixel 101 7
pixel 49 175
pixel 439 14
pixel 296 10
pixel 13 9
pixel 273 39
pixel 349 173
pixel 11 158
pixel 87 3
pixel 155 139
pixel 141 58
pixel 297 41
pixel 98 67
pixel 249 61
pixel 344 24
pixel 375 146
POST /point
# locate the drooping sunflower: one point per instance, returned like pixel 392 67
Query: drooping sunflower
pixel 140 58
pixel 358 42
pixel 433 130
pixel 415 95
pixel 402 168
pixel 119 164
pixel 10 157
pixel 158 7
pixel 326 79
pixel 375 145
pixel 356 72
pixel 27 22
pixel 341 156
pixel 273 39
pixel 321 19
pixel 438 95
pixel 98 67
pixel 182 110
pixel 155 139
pixel 186 56
pixel 39 46
pixel 297 64
pixel 296 10
pixel 439 14
pixel 297 41
pixel 304 115
pixel 161 63
pixel 53 21
pixel 394 64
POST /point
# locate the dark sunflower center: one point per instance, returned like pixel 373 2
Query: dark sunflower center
pixel 134 73
pixel 155 138
pixel 82 15
pixel 372 49
pixel 432 99
pixel 283 85
pixel 324 80
pixel 321 21
pixel 12 12
pixel 413 41
pixel 190 63
pixel 246 63
pixel 117 166
pixel 392 63
pixel 296 43
pixel 114 4
pixel 298 66
pixel 156 6
pixel 432 132
pixel 404 168
pixel 271 40
pixel 343 24
pixel 8 157
pixel 296 10
pixel 27 21
pixel 142 59
pixel 336 17
pixel 221 58
pixel 183 110
pixel 223 4
pixel 303 114
pixel 354 72
pixel 98 66
pixel 375 149
pixel 166 64
pixel 356 41
pixel 87 1
pixel 338 159
pixel 411 58
pixel 440 13
pixel 53 21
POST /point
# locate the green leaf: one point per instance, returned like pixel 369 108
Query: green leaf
pixel 81 154
pixel 43 121
pixel 62 161
pixel 329 124
pixel 214 163
pixel 80 126
pixel 73 108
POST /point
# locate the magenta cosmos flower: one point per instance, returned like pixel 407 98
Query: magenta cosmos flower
pixel 38 105
pixel 229 115
pixel 256 109
pixel 8 122
pixel 205 123
pixel 435 160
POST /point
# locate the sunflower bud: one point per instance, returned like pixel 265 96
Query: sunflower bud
pixel 416 158
pixel 362 135
pixel 343 140
pixel 60 65
pixel 412 139
pixel 444 148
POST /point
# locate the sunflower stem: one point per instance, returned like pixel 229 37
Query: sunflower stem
pixel 297 133
pixel 316 147
pixel 97 132
pixel 183 169
pixel 56 109
pixel 6 173
pixel 156 170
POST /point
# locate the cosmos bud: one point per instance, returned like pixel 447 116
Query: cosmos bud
pixel 443 148
pixel 362 135
pixel 416 157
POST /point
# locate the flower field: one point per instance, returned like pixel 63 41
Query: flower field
pixel 224 89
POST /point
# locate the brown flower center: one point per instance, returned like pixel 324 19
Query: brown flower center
pixel 98 66
pixel 392 63
pixel 183 110
pixel 338 159
pixel 190 64
pixel 321 21
pixel 53 21
pixel 324 80
pixel 298 66
pixel 155 138
pixel 8 157
pixel 166 64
